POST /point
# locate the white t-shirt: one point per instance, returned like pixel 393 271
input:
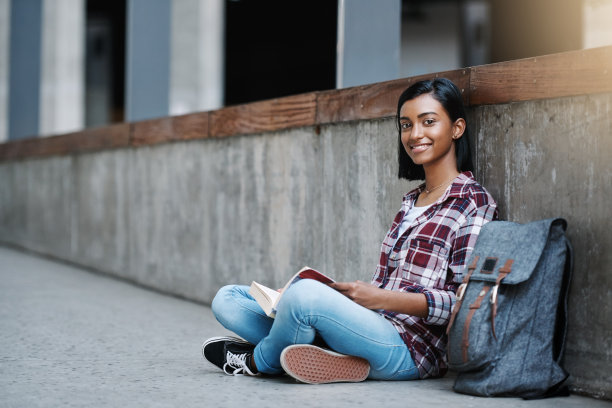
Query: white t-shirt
pixel 410 216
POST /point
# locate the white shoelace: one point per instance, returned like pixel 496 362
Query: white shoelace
pixel 237 362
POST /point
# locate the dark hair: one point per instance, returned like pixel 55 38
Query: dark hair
pixel 449 96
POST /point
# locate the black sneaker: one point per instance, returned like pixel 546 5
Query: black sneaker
pixel 231 354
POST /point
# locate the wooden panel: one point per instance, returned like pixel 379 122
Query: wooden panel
pixel 17 149
pixel 265 116
pixel 192 126
pixel 375 100
pixel 550 76
pixel 185 127
pixel 107 137
pixel 150 131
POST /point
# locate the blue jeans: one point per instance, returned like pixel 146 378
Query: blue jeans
pixel 310 308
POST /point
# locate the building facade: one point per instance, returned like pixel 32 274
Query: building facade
pixel 70 64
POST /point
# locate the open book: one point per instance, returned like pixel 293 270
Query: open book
pixel 269 298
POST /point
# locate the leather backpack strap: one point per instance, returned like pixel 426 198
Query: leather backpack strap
pixel 461 292
pixel 503 272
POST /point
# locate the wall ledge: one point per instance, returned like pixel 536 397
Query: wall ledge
pixel 551 76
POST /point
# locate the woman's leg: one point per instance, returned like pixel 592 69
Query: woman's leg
pixel 310 307
pixel 237 311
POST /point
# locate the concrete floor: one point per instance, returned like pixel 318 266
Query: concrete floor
pixel 69 337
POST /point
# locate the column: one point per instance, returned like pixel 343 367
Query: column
pixel 24 68
pixel 368 41
pixel 5 24
pixel 63 67
pixel 197 63
pixel 147 59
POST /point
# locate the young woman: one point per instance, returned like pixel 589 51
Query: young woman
pixel 394 327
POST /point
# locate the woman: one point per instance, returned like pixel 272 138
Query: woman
pixel 394 327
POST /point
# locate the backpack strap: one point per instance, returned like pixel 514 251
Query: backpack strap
pixel 465 342
pixel 561 323
pixel 461 292
pixel 561 389
pixel 503 272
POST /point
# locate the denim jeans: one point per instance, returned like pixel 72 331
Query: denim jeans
pixel 307 309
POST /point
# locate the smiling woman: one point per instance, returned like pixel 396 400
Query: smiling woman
pixel 444 101
pixel 428 136
pixel 428 133
pixel 392 328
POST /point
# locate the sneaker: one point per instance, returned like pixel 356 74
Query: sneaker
pixel 230 354
pixel 315 365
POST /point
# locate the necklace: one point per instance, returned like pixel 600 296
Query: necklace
pixel 429 190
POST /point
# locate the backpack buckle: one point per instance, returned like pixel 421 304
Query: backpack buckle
pixel 493 299
pixel 461 291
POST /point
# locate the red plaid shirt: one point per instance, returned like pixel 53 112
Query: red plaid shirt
pixel 429 258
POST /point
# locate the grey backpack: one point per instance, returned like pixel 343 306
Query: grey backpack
pixel 507 329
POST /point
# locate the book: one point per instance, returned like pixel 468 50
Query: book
pixel 268 298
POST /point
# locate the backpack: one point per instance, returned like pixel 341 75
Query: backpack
pixel 508 325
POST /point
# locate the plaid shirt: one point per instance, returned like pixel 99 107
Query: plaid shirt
pixel 429 258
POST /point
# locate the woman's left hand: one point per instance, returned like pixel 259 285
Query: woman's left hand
pixel 361 293
pixel 375 298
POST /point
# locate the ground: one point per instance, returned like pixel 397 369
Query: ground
pixel 71 337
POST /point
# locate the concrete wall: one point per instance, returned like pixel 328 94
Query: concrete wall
pixel 551 158
pixel 188 217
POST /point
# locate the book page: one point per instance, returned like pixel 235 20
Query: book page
pixel 271 294
pixel 265 296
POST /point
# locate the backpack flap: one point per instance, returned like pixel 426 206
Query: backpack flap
pixel 503 240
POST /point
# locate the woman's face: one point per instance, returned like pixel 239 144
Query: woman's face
pixel 427 132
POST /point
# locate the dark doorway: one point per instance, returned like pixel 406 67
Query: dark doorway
pixel 276 48
pixel 105 62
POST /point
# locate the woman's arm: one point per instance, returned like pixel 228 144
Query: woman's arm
pixel 374 298
pixel 441 300
pixel 432 304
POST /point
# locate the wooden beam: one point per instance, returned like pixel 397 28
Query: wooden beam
pixel 550 76
pixel 264 116
pixel 102 138
pixel 173 128
pixel 376 100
